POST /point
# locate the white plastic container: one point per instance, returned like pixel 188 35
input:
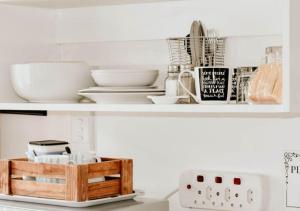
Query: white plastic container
pixel 47 147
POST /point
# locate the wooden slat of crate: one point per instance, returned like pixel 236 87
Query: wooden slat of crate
pixel 20 159
pixel 104 189
pixel 25 168
pixel 126 177
pixel 107 159
pixel 76 182
pixel 76 177
pixel 5 177
pixel 107 168
pixel 35 189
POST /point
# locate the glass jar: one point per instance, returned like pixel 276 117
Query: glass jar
pixel 240 86
pixel 244 80
pixel 266 85
pixel 274 55
pixel 188 82
pixel 171 82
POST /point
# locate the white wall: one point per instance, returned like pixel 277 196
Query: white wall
pixel 164 146
pixel 17 130
pixel 169 19
pixel 26 35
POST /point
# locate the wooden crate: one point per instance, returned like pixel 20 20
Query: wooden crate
pixel 117 173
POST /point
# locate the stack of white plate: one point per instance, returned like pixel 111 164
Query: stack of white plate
pixel 123 86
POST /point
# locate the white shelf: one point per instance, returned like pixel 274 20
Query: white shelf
pixel 150 108
pixel 61 4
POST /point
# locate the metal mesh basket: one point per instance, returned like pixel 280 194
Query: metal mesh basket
pixel 198 51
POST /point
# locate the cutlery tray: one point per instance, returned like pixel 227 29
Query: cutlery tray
pixel 17 179
pixel 208 51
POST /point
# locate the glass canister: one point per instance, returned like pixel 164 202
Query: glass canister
pixel 274 55
pixel 188 82
pixel 243 84
pixel 266 85
pixel 171 82
pixel 240 84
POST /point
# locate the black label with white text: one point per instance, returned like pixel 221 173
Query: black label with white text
pixel 214 84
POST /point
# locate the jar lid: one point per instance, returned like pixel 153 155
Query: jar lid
pixel 186 67
pixel 246 69
pixel 274 49
pixel 174 68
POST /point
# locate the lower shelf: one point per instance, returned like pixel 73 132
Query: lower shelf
pixel 149 108
pixel 69 203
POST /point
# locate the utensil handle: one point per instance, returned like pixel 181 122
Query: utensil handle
pixel 186 89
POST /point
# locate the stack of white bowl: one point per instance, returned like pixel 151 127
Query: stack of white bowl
pixel 123 86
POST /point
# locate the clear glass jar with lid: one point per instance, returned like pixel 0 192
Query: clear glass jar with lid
pixel 274 55
pixel 171 83
pixel 266 86
pixel 188 82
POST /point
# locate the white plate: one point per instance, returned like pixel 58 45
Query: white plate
pixel 121 98
pixel 70 203
pixel 121 89
pixel 166 99
pixel 125 87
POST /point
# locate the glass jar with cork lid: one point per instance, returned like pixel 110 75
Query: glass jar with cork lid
pixel 188 81
pixel 171 82
pixel 173 87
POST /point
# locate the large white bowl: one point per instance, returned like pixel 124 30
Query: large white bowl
pixel 121 78
pixel 54 82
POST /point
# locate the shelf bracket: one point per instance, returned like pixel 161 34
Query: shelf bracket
pixel 33 113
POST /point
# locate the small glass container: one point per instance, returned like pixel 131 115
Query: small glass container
pixel 243 85
pixel 266 85
pixel 188 82
pixel 274 55
pixel 236 74
pixel 171 83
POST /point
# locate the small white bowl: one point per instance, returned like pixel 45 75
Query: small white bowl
pixel 50 82
pixel 166 99
pixel 125 78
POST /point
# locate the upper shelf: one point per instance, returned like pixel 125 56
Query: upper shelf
pixel 62 4
pixel 150 108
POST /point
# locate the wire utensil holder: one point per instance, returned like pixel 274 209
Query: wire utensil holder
pixel 198 51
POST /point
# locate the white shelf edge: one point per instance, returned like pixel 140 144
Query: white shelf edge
pixel 229 36
pixel 67 4
pixel 149 108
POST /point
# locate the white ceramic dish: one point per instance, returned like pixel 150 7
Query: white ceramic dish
pixel 121 98
pixel 166 99
pixel 132 78
pixel 120 89
pixel 50 82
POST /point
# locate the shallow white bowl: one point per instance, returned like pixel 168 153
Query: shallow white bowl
pixel 166 99
pixel 117 78
pixel 53 82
